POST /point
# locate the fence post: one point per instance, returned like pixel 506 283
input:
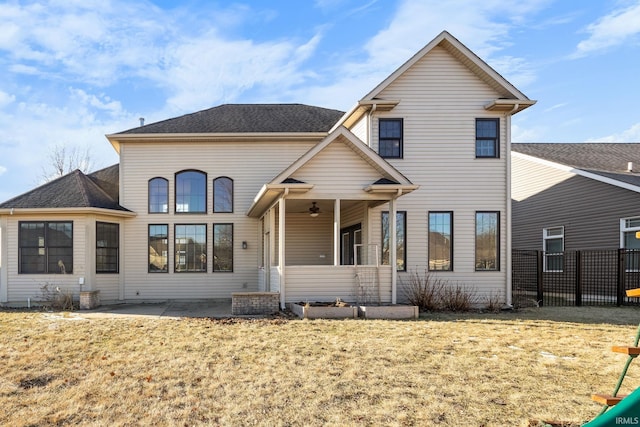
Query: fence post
pixel 620 274
pixel 539 278
pixel 578 278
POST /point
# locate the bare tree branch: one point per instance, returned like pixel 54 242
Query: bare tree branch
pixel 62 160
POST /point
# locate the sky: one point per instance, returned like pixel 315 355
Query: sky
pixel 73 71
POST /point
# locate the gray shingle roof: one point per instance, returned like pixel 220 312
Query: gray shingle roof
pixel 74 190
pixel 247 118
pixel 605 159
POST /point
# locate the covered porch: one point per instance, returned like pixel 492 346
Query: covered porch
pixel 316 224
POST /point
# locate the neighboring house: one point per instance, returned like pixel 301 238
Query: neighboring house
pixel 569 197
pixel 288 198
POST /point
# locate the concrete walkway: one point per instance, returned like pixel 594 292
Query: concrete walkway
pixel 165 309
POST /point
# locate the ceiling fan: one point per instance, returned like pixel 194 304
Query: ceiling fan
pixel 314 211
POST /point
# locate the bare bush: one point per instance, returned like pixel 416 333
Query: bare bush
pixel 493 302
pixel 56 298
pixel 424 291
pixel 458 297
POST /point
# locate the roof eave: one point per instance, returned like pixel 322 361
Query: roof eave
pixel 119 138
pixel 361 108
pixel 67 211
pixel 269 193
pixel 511 106
pixel 398 189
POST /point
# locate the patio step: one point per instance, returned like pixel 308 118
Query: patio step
pixel 607 399
pixel 631 351
pixel 633 292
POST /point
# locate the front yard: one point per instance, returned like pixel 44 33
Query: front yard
pixel 443 369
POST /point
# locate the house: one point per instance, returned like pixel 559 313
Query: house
pixel 287 198
pixel 569 197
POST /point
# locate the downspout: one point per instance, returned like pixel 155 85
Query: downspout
pixel 281 248
pixel 508 254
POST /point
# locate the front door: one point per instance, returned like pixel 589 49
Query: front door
pixel 349 237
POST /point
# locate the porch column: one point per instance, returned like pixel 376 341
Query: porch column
pixel 393 246
pixel 4 257
pixel 281 251
pixel 336 232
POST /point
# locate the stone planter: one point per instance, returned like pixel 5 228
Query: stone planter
pixel 395 311
pixel 309 311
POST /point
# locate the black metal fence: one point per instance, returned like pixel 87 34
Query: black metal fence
pixel 575 278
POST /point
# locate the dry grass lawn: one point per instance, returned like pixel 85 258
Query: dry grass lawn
pixel 501 369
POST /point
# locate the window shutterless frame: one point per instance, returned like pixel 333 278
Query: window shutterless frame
pixel 488 138
pixel 190 248
pixel 487 241
pixel 107 247
pixel 158 195
pixel 158 247
pixel 45 247
pixel 401 239
pixel 440 240
pixel 190 192
pixel 223 195
pixel 390 138
pixel 223 247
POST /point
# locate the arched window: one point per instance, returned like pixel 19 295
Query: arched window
pixel 191 191
pixel 223 194
pixel 158 195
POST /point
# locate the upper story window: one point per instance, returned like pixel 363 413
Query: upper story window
pixel 107 245
pixel 158 195
pixel 487 241
pixel 191 192
pixel 45 247
pixel 487 141
pixel 390 138
pixel 553 246
pixel 440 241
pixel 223 194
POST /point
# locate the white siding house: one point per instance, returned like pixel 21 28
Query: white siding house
pixel 289 198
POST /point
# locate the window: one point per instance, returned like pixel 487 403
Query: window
pixel 46 247
pixel 629 239
pixel 390 138
pixel 487 141
pixel 158 195
pixel 401 244
pixel 441 241
pixel 487 241
pixel 107 244
pixel 191 192
pixel 158 248
pixel 223 194
pixel 223 247
pixel 553 247
pixel 191 248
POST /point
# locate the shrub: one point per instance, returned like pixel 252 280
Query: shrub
pixel 56 298
pixel 458 298
pixel 430 293
pixel 424 291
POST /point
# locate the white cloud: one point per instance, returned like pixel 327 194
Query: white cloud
pixel 613 29
pixel 629 135
pixel 2 170
pixel 6 99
